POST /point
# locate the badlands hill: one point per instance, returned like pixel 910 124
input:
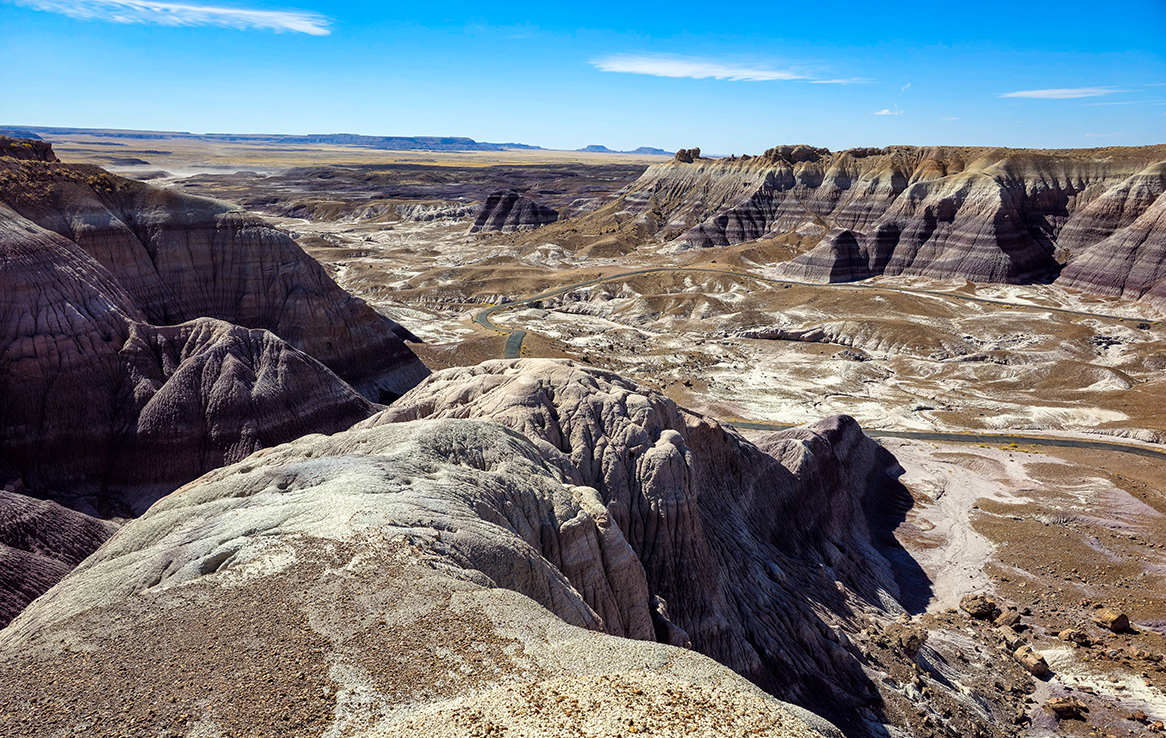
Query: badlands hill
pixel 984 214
pixel 148 337
pixel 460 564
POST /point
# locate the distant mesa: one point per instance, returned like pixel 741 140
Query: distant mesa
pixel 643 150
pixel 388 143
pixel 19 133
pixel 507 211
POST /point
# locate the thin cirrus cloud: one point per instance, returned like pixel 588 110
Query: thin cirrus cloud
pixel 1062 93
pixel 888 111
pixel 183 14
pixel 680 67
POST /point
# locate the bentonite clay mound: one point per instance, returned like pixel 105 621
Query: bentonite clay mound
pixel 507 211
pixel 991 215
pixel 106 412
pixel 40 542
pixel 742 548
pixel 1131 263
pixel 181 257
pixel 360 578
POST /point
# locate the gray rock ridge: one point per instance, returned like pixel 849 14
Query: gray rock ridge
pixel 40 542
pixel 183 257
pixel 763 554
pixel 508 211
pixel 400 567
pixel 949 212
pixel 106 412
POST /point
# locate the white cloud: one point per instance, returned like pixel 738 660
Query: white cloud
pixel 1102 135
pixel 886 111
pixel 679 67
pixel 182 14
pixel 904 88
pixel 951 118
pixel 1063 93
pixel 846 81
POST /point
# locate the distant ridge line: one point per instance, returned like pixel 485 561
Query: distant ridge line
pixel 391 143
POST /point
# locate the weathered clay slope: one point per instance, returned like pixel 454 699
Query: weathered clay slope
pixel 1130 263
pixel 360 578
pixel 743 548
pixel 507 211
pixel 106 413
pixel 182 257
pixel 949 212
pixel 40 542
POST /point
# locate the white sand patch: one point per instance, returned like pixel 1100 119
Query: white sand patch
pixel 956 554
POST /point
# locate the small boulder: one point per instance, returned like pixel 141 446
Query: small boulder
pixel 1067 708
pixel 979 607
pixel 1010 618
pixel 1032 661
pixel 1074 635
pixel 1011 638
pixel 1112 620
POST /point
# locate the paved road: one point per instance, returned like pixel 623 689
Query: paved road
pixel 516 335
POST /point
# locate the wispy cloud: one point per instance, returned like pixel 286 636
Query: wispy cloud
pixel 846 81
pixel 1102 135
pixel 887 111
pixel 951 118
pixel 904 88
pixel 1062 93
pixel 680 67
pixel 183 14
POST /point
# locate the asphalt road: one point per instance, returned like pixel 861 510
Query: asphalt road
pixel 515 337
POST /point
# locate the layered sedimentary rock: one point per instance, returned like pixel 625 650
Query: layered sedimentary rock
pixel 507 211
pixel 40 542
pixel 106 412
pixel 434 575
pixel 181 258
pixel 999 215
pixel 742 546
pixel 1130 263
pixel 147 337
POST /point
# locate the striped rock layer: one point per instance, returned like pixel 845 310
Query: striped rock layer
pixel 991 215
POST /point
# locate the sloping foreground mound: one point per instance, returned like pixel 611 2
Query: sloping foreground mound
pixel 382 581
pixel 755 556
pixel 993 215
pixel 181 258
pixel 40 542
pixel 507 211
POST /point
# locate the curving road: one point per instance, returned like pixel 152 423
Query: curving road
pixel 515 337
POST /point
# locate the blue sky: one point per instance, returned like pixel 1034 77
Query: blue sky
pixel 728 77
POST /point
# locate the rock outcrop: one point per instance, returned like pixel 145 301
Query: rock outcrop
pixel 182 258
pixel 508 211
pixel 993 215
pixel 105 412
pixel 147 337
pixel 385 580
pixel 1129 263
pixel 40 542
pixel 743 547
